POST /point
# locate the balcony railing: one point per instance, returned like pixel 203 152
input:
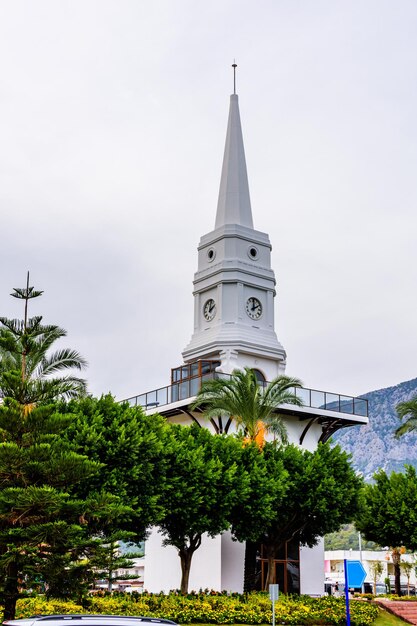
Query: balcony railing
pixel 311 398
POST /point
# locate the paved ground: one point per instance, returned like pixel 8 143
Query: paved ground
pixel 403 609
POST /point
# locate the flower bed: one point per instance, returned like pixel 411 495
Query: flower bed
pixel 214 608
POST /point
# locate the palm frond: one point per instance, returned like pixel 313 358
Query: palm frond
pixel 47 335
pixel 60 360
pixel 277 427
pixel 408 411
pixel 248 402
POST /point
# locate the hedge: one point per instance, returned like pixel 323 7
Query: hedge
pixel 213 608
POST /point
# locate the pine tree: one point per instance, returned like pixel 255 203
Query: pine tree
pixel 109 558
pixel 38 517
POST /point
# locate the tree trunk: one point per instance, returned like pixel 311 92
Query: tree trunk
pixel 271 575
pixel 186 554
pixel 396 558
pixel 11 591
pixel 249 576
pixel 397 574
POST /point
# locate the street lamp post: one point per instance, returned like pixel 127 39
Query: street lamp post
pixel 360 557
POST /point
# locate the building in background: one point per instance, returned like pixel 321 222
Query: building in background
pixel 334 568
pixel 125 579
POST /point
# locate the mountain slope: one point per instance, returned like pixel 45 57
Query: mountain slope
pixel 373 446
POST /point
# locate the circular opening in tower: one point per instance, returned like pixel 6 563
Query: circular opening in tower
pixel 211 253
pixel 253 252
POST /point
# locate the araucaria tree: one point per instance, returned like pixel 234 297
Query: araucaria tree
pixel 36 469
pixel 388 514
pixel 253 406
pixel 27 368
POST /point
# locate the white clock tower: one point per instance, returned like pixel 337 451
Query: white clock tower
pixel 234 290
pixel 234 286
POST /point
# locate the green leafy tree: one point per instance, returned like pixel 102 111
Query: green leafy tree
pixel 408 567
pixel 388 514
pixel 322 491
pixel 253 407
pixel 268 483
pixel 37 512
pixel 205 483
pixel 133 450
pixel 407 411
pixel 375 569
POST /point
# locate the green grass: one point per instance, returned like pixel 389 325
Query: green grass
pixel 388 619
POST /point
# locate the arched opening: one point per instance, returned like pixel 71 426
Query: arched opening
pixel 259 376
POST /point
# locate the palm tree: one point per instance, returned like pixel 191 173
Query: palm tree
pixel 408 411
pixel 253 406
pixel 249 403
pixel 27 369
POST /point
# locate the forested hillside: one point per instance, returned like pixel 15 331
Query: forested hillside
pixel 374 446
pixel 347 538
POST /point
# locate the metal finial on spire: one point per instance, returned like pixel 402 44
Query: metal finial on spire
pixel 234 76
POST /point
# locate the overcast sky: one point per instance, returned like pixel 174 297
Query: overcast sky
pixel 112 126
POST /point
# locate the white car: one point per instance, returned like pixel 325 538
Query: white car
pixel 89 620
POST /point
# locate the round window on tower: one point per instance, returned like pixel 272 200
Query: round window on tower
pixel 253 253
pixel 211 253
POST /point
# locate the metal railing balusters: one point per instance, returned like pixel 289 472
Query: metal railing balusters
pixel 184 389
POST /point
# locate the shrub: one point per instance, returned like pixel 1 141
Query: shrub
pixel 215 608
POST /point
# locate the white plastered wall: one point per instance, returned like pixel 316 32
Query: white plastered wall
pixel 163 569
pixel 312 569
pixel 233 560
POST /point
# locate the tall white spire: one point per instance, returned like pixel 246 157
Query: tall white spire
pixel 234 286
pixel 234 205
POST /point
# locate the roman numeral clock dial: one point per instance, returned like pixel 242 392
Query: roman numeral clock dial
pixel 209 310
pixel 253 308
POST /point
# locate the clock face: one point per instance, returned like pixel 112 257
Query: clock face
pixel 253 308
pixel 209 310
